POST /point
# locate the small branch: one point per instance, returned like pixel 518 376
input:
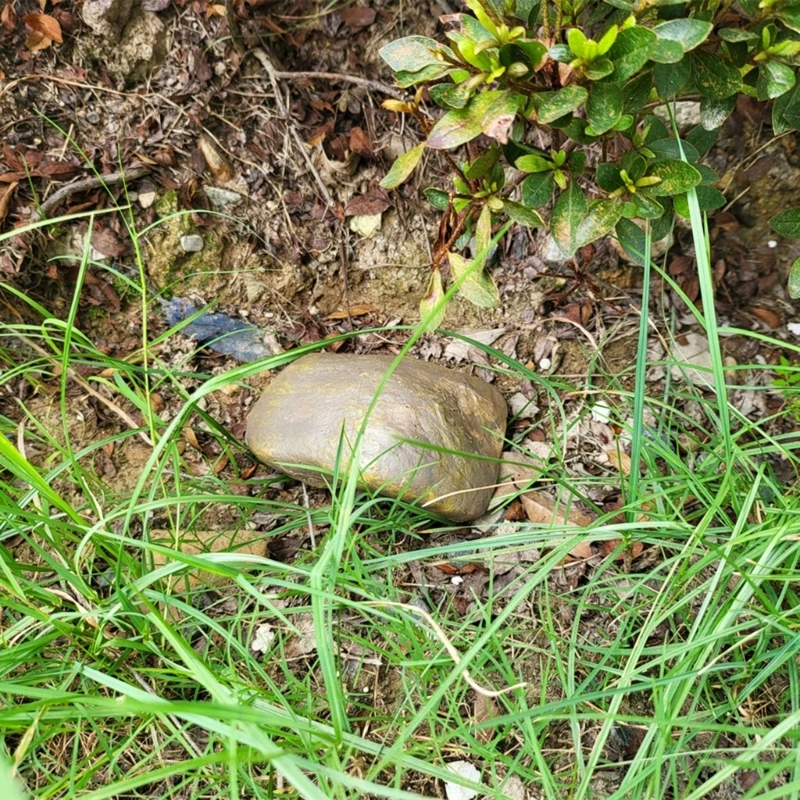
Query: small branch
pixel 85 185
pixel 376 86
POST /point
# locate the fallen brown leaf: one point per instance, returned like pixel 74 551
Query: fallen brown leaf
pixel 357 17
pixel 768 317
pixel 191 438
pixel 363 205
pixel 359 310
pixel 45 24
pixel 37 41
pixel 5 200
pixel 8 17
pixel 610 545
pixel 620 460
pixel 541 508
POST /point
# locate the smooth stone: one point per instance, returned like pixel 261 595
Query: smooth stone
pixel 191 243
pixel 296 427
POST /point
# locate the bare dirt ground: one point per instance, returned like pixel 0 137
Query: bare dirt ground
pixel 293 161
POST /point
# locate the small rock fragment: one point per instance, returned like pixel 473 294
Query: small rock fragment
pixel 107 18
pixel 434 435
pixel 366 225
pixel 191 243
pixel 522 407
pixel 464 770
pixel 147 198
pixel 222 198
pixel 142 47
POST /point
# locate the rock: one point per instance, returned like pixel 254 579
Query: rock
pixel 366 225
pixel 191 243
pixel 222 198
pixel 690 355
pixel 299 418
pixel 107 18
pixel 147 198
pixel 687 115
pixel 142 47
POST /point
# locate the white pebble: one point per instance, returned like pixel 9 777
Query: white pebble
pixel 456 580
pixel 545 363
pixel 772 243
pixel 601 412
pixel 191 243
pixel 793 327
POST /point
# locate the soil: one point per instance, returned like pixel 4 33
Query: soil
pixel 195 113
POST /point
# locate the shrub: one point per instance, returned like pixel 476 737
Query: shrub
pixel 587 74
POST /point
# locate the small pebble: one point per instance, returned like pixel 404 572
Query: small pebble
pixel 222 198
pixel 93 118
pixel 191 243
pixel 545 364
pixel 772 244
pixel 146 199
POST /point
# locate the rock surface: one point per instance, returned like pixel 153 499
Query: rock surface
pixel 142 47
pixel 296 427
pixel 107 18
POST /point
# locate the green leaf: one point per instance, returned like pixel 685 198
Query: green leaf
pixel 634 165
pixel 676 176
pixel 437 198
pixel 714 76
pixel 599 68
pixel 687 32
pixel 533 163
pixel 561 52
pixel 600 219
pixel 498 116
pixel 668 148
pixel 606 41
pixel 451 95
pixel 577 42
pixel 483 234
pixel 709 177
pixel 568 212
pixel 537 190
pixel 708 199
pixel 553 105
pixel 701 139
pixel 576 163
pixel 431 73
pixel 534 51
pixel 779 122
pixel 637 92
pixel 666 52
pixel 631 239
pixel 468 49
pixel 482 164
pixel 787 223
pixel 411 54
pixel 646 207
pixel 790 17
pixel 604 107
pixel 403 167
pixel 671 78
pixel 430 303
pixel 631 51
pixel 774 80
pixel 737 35
pixel 463 124
pixel 608 177
pixel 794 280
pixel 523 214
pixel 713 113
pixel 478 286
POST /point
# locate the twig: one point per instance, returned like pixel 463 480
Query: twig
pixel 451 651
pixel 376 86
pixel 85 185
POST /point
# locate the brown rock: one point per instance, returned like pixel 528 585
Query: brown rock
pixel 298 421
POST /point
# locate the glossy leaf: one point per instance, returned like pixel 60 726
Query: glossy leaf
pixel 462 125
pixel 707 198
pixel 553 105
pixel 537 190
pixel 676 176
pixel 714 76
pixel 790 17
pixel 631 51
pixel 637 92
pixel 666 52
pixel 437 198
pixel 774 80
pixel 481 166
pixel 608 177
pixel 787 223
pixel 668 148
pixel 713 113
pixel 433 302
pixel 687 32
pixel 671 78
pixel 632 240
pixel 403 167
pixel 410 54
pixel 533 163
pixel 478 286
pixel 600 219
pixel 430 73
pixel 523 215
pixel 604 107
pixel 598 69
pixel 568 212
pixel 646 207
pixel 794 280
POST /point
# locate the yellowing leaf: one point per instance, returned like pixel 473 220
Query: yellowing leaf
pixel 403 167
pixel 477 285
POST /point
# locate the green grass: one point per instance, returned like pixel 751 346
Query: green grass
pixel 117 680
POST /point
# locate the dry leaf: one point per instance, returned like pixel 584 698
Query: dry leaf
pixel 355 311
pixel 46 25
pixel 215 9
pixel 541 508
pixel 610 545
pixel 5 200
pixel 366 205
pixel 357 17
pixel 620 460
pixel 37 41
pixel 191 438
pixel 217 161
pixel 8 17
pixel 768 317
